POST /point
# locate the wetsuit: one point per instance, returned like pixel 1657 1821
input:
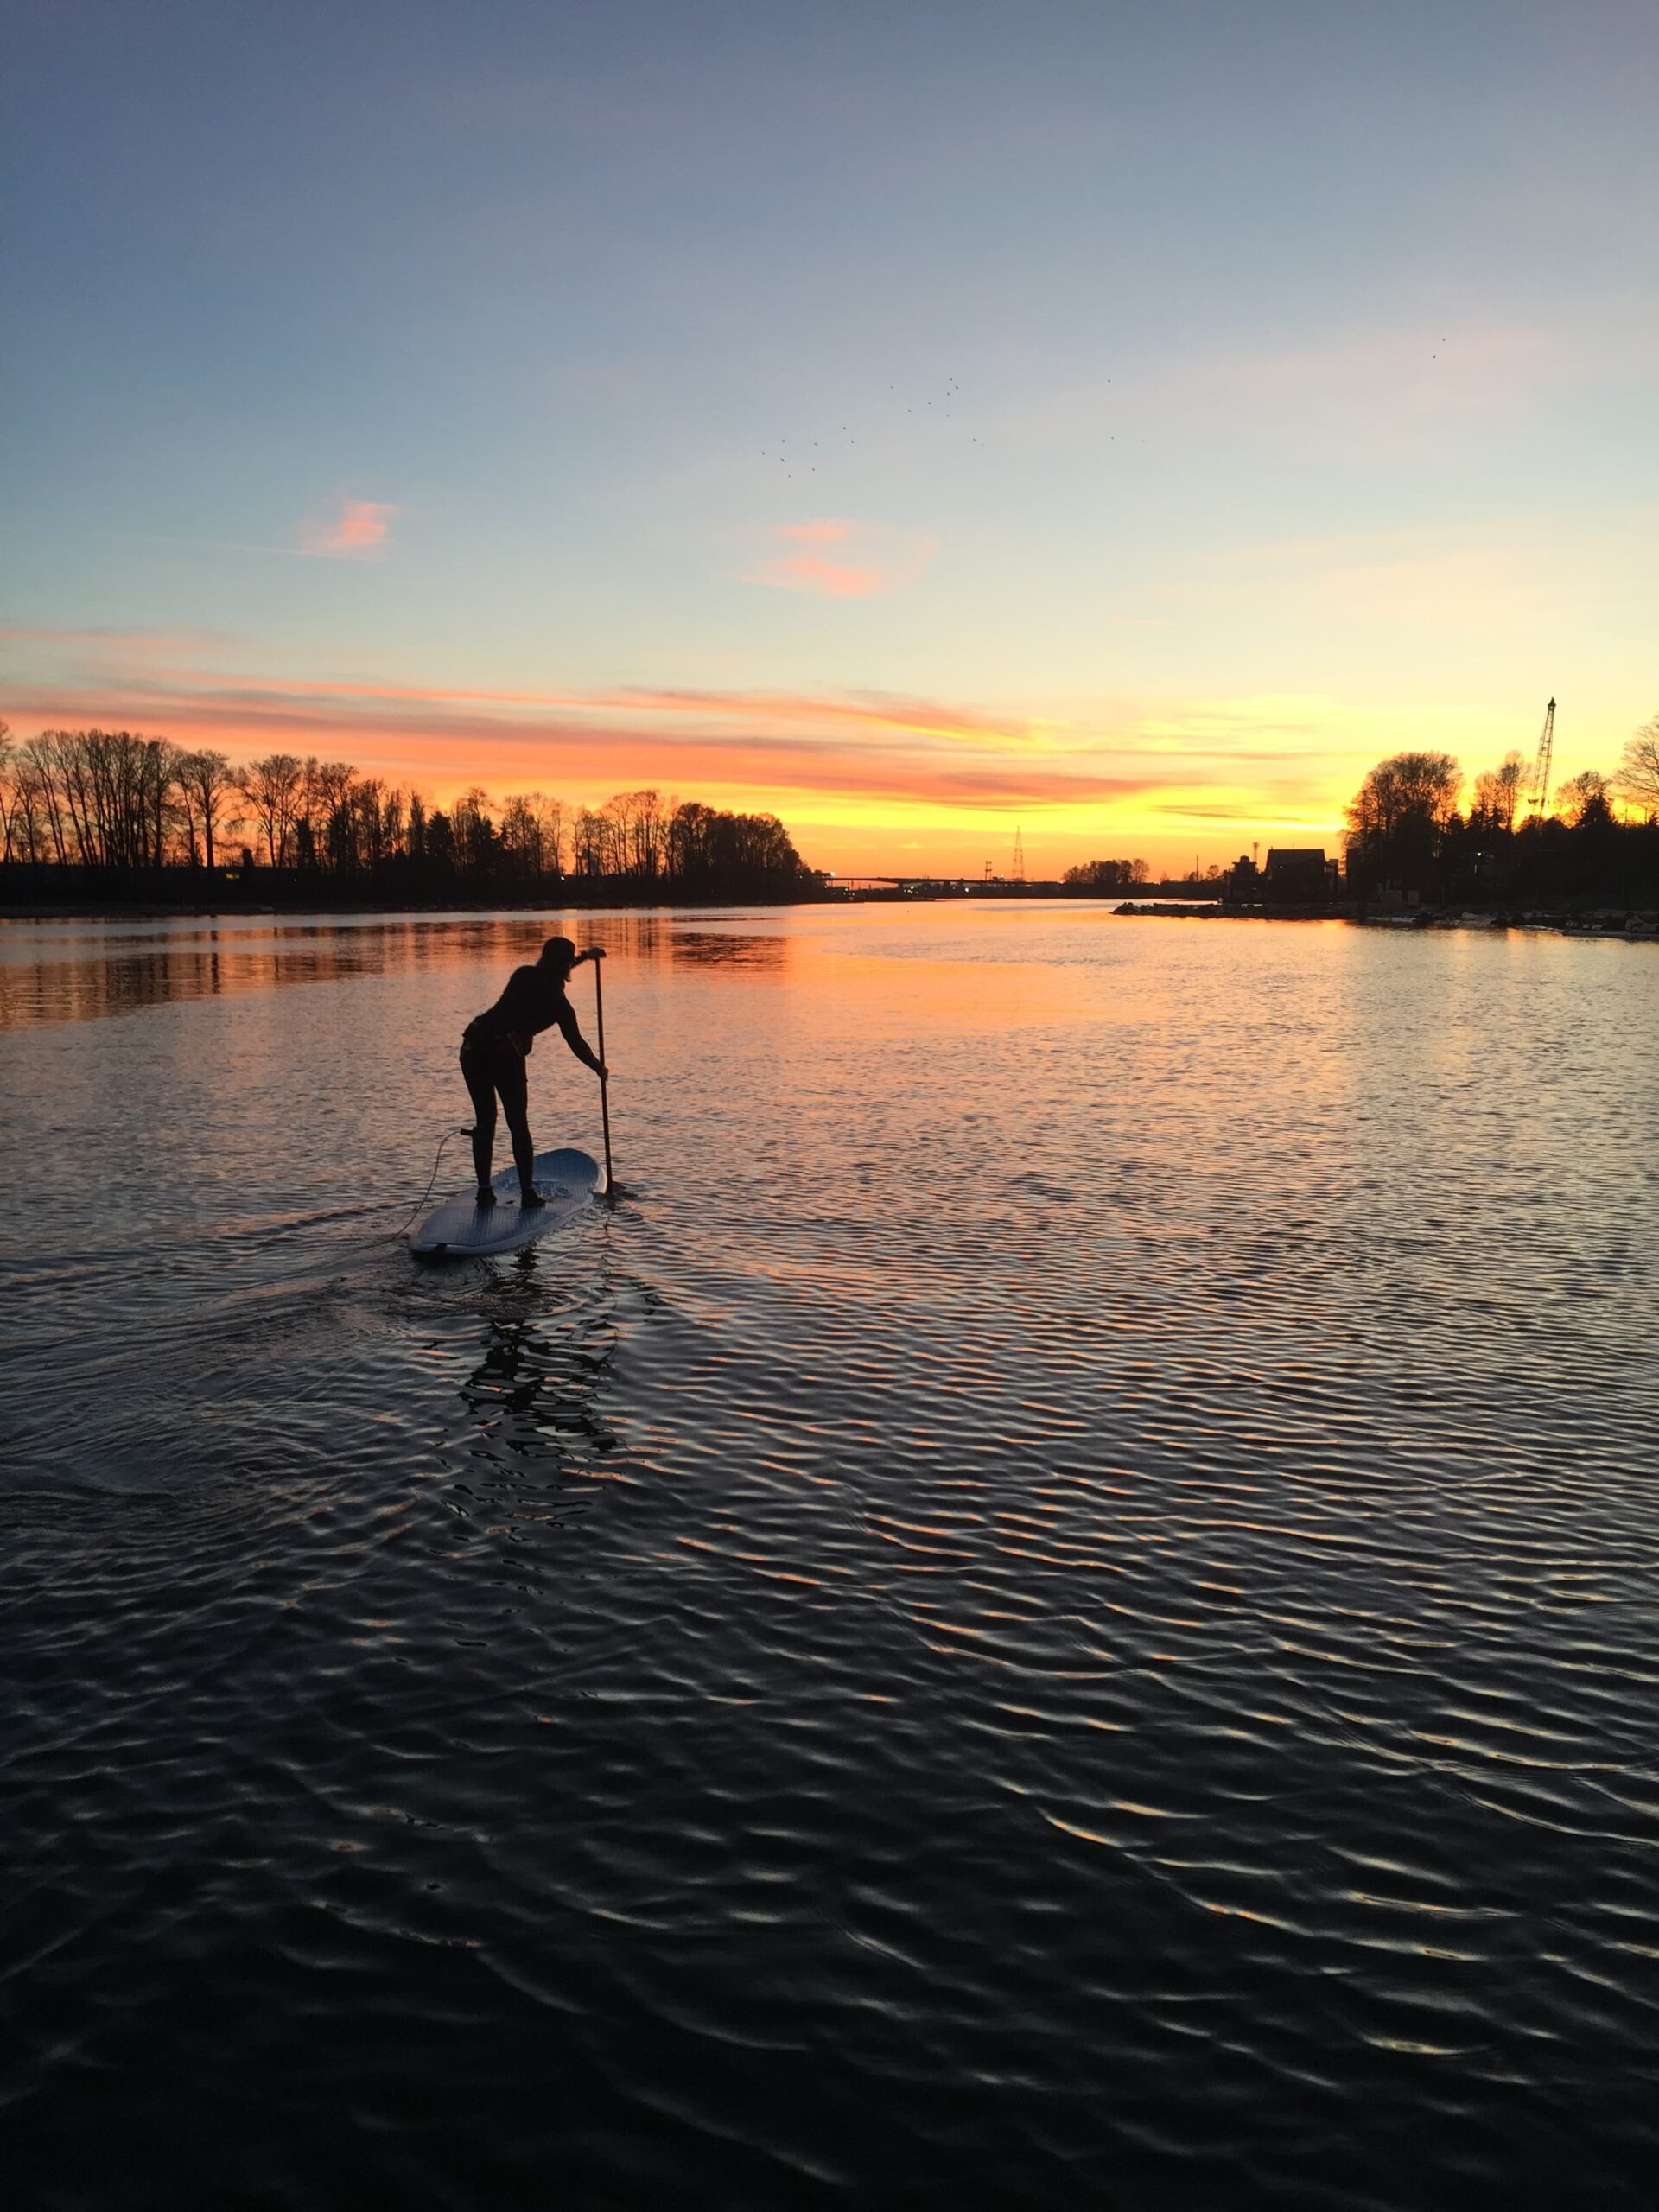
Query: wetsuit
pixel 494 1051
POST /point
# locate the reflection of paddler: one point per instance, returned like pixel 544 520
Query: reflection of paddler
pixel 496 1047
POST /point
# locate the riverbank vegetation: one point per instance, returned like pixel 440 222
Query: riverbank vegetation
pixel 1105 877
pixel 1415 834
pixel 113 813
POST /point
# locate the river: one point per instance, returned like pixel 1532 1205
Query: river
pixel 1059 1607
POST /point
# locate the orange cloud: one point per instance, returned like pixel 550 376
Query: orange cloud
pixel 750 748
pixel 878 559
pixel 356 532
pixel 856 772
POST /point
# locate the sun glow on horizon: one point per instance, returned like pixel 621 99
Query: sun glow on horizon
pixel 865 782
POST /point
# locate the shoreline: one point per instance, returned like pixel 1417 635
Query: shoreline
pixel 1638 924
pixel 1629 921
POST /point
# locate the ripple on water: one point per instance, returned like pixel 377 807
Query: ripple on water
pixel 1044 1614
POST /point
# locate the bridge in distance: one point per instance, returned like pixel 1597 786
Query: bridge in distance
pixel 931 886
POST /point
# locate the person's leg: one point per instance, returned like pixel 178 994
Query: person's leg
pixel 482 1091
pixel 512 1081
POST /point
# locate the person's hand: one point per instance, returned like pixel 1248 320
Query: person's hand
pixel 593 952
pixel 602 1071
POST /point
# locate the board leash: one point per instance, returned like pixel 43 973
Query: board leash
pixel 443 1142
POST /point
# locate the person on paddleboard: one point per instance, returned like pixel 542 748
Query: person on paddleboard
pixel 496 1045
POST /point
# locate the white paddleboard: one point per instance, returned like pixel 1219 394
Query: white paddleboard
pixel 461 1229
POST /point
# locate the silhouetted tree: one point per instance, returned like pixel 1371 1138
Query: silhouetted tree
pixel 272 788
pixel 209 788
pixel 113 800
pixel 8 788
pixel 474 833
pixel 440 841
pixel 1398 817
pixel 1582 794
pixel 1497 794
pixel 1638 781
pixel 1107 875
pixel 587 839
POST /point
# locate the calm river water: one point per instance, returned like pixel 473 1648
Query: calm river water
pixel 1060 1609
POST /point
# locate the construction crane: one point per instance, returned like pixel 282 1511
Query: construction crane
pixel 1542 764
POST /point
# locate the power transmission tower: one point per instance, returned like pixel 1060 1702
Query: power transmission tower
pixel 1540 766
pixel 1018 875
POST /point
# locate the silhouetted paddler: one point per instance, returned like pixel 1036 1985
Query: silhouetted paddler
pixel 497 1044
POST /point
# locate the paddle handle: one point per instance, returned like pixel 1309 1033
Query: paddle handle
pixel 604 1082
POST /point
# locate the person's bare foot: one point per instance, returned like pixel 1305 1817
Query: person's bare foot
pixel 484 1198
pixel 530 1200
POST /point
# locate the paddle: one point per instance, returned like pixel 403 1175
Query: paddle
pixel 597 955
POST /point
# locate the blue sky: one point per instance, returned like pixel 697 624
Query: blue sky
pixel 1207 399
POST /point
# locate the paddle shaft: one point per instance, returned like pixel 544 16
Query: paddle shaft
pixel 604 1084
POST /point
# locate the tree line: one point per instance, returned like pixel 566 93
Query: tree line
pixel 1105 876
pixel 1409 831
pixel 115 802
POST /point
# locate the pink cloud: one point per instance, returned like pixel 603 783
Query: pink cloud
pixel 878 559
pixel 817 533
pixel 357 531
pixel 805 572
pixel 758 747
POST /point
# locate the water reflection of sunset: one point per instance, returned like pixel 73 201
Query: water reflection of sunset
pixel 85 971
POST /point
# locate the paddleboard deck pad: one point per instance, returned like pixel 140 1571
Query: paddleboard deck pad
pixel 460 1229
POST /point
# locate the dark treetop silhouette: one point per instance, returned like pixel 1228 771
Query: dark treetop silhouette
pixel 110 815
pixel 1407 837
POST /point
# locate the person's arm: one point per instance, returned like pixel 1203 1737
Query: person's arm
pixel 575 1040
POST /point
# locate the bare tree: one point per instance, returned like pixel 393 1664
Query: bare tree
pixel 365 803
pixel 328 786
pixel 647 834
pixel 8 788
pixel 475 831
pixel 550 815
pixel 1638 781
pixel 587 842
pixel 520 833
pixel 272 788
pixel 1398 817
pixel 1408 788
pixel 616 826
pixel 210 788
pixel 27 832
pixel 1583 797
pixel 1497 792
pixel 393 814
pixel 50 771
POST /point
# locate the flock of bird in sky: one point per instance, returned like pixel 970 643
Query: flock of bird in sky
pixel 802 462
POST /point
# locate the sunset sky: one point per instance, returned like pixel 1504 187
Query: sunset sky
pixel 1119 423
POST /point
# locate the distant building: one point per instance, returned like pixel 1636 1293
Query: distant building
pixel 1300 875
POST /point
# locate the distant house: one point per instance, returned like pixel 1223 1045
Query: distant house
pixel 1300 875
